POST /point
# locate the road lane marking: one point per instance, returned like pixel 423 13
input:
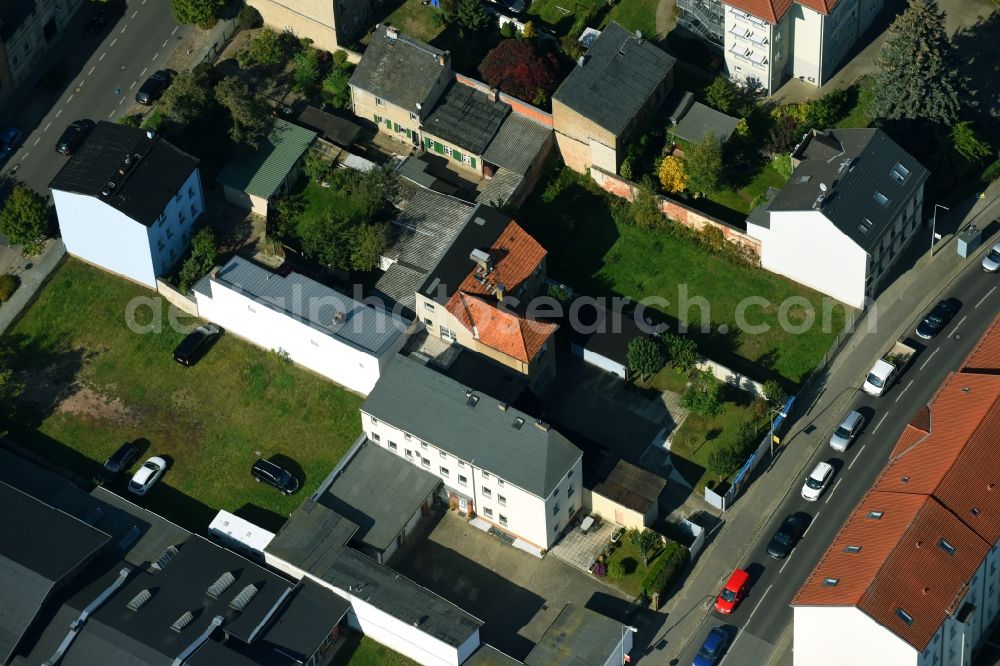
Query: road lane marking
pixel 70 99
pixel 135 12
pixel 113 42
pixel 143 72
pixel 81 84
pixel 960 322
pixel 929 358
pixel 176 28
pixel 133 84
pixel 903 391
pixel 879 422
pixel 164 44
pixel 750 617
pixel 811 523
pixel 123 29
pixel 102 56
pixel 92 70
pixel 47 127
pixel 787 560
pixel 832 491
pixel 37 139
pixel 857 456
pixel 58 113
pixel 23 156
pixel 111 115
pixel 157 55
pixel 730 650
pixel 986 296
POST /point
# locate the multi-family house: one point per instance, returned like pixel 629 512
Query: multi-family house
pixel 616 85
pixel 330 24
pixel 913 576
pixel 771 41
pixel 127 201
pixel 27 28
pixel 513 471
pixel 476 295
pixel 852 205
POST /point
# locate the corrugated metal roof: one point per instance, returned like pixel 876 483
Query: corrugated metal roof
pixel 361 326
pixel 499 189
pixel 261 171
pixel 517 143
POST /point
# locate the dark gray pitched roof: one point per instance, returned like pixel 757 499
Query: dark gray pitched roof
pixel 144 190
pixel 487 655
pixel 440 413
pixel 625 483
pixel 483 226
pixel 693 120
pixel 466 117
pixel 380 516
pixel 333 128
pixel 500 188
pixel 517 143
pixel 618 74
pixel 759 215
pixel 400 70
pixel 856 165
pixel 578 637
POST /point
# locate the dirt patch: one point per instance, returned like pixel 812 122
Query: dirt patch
pixel 90 404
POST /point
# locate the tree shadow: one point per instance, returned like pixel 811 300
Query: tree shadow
pixel 974 46
pixel 48 373
pixel 265 518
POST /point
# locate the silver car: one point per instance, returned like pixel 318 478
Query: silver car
pixel 991 262
pixel 847 431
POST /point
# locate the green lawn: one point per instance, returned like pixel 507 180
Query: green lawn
pixel 91 383
pixel 560 14
pixel 635 572
pixel 740 200
pixel 360 650
pixel 319 201
pixel 416 20
pixel 594 255
pixel 635 15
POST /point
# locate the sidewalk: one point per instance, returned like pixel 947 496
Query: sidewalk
pixel 896 309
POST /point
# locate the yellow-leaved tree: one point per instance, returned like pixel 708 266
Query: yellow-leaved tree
pixel 672 175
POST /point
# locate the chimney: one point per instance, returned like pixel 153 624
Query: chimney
pixel 150 134
pixel 391 32
pixel 443 58
pixel 339 316
pixel 500 288
pixel 492 95
pixel 215 273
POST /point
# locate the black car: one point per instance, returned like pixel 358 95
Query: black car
pixel 153 88
pixel 119 462
pixel 938 318
pixel 194 346
pixel 791 530
pixel 73 136
pixel 517 7
pixel 274 475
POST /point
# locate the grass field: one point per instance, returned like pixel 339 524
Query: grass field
pixel 635 15
pixel 631 560
pixel 416 20
pixel 91 383
pixel 741 199
pixel 362 651
pixel 596 256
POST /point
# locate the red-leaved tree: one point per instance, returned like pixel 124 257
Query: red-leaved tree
pixel 516 68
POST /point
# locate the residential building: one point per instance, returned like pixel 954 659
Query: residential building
pixel 475 295
pixel 27 28
pixel 94 579
pixel 853 203
pixel 319 328
pixel 127 202
pixel 621 492
pixel 615 87
pixel 330 24
pixel 771 41
pixel 912 576
pixel 253 177
pixel 397 83
pixel 512 470
pixel 582 636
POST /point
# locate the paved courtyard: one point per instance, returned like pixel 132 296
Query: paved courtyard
pixel 580 548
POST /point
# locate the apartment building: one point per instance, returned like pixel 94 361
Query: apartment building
pixel 330 24
pixel 27 28
pixel 774 40
pixel 510 469
pixel 853 203
pixel 913 577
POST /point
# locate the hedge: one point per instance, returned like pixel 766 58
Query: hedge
pixel 8 285
pixel 666 569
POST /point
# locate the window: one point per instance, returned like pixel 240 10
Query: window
pixel 486 474
pixel 569 512
pixel 831 582
pixel 462 481
pixel 556 528
pixel 425 462
pixel 378 119
pixel 409 453
pixel 160 246
pixel 555 509
pixel 177 197
pixel 489 512
pixel 570 491
pixel 880 199
pixel 906 617
pixel 900 172
pixel 875 515
pixel 423 445
pixel 461 465
pixel 488 492
pixel 407 436
pixel 413 116
pixel 555 493
pixel 379 101
pixel 376 437
pixel 194 210
pixel 428 306
pixel 852 549
pixel 503 520
pixel 502 500
pixel 946 547
pixel 190 192
pixel 444 471
pixel 428 322
pixel 570 475
pixel 392 445
pixel 442 454
pixel 500 482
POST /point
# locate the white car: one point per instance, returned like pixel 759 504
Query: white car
pixel 991 262
pixel 147 475
pixel 817 482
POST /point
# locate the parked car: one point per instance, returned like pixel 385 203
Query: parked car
pixel 817 482
pixel 147 475
pixel 153 87
pixel 991 262
pixel 274 475
pixel 848 429
pixel 791 530
pixel 195 345
pixel 119 462
pixel 517 7
pixel 734 592
pixel 713 648
pixel 10 139
pixel 73 136
pixel 938 318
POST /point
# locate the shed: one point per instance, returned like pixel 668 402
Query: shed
pixel 692 120
pixel 253 177
pixel 622 492
pixel 328 126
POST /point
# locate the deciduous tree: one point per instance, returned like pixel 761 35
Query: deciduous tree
pixel 370 241
pixel 672 175
pixel 247 108
pixel 645 357
pixel 336 89
pixel 721 94
pixel 265 48
pixel 516 67
pixel 189 97
pixel 703 163
pixel 202 13
pixel 200 261
pixel 306 70
pixel 24 218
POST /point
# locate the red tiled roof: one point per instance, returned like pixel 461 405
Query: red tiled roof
pixel 772 10
pixel 501 329
pixel 515 256
pixel 985 356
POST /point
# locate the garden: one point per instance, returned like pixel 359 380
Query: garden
pixel 641 563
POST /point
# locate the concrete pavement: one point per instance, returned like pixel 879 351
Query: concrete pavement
pixel 823 401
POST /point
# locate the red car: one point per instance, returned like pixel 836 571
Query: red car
pixel 733 593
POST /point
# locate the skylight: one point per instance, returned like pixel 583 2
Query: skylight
pixel 946 547
pixel 831 582
pixel 875 515
pixel 904 616
pixel 900 172
pixel 880 199
pixel 852 549
pixel 865 226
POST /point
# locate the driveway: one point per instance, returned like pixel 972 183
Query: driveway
pixel 515 594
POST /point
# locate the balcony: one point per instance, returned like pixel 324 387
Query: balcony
pixel 755 58
pixel 750 35
pixel 740 15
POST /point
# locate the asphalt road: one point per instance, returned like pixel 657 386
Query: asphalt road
pixel 103 88
pixel 758 623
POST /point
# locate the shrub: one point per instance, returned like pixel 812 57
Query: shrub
pixel 774 393
pixel 681 350
pixel 250 18
pixel 200 261
pixel 154 120
pixel 672 176
pixel 507 30
pixel 616 570
pixel 645 357
pixel 626 168
pixel 745 437
pixel 557 292
pixel 571 47
pixel 599 569
pixel 704 395
pixel 131 120
pixel 666 569
pixel 725 460
pixel 969 145
pixel 8 285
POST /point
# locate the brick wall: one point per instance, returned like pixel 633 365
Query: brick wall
pixel 675 210
pixel 519 107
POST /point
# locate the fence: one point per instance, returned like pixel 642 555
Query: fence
pixel 177 299
pixel 727 376
pixel 219 36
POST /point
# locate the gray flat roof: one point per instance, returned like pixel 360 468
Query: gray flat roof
pixel 487 655
pixel 311 538
pixel 466 117
pixel 700 120
pixel 383 513
pixel 578 637
pixel 436 409
pixel 363 327
pixel 516 144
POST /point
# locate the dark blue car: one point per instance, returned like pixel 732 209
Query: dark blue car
pixel 713 648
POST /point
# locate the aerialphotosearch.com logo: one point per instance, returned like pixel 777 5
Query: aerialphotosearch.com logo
pixel 345 315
